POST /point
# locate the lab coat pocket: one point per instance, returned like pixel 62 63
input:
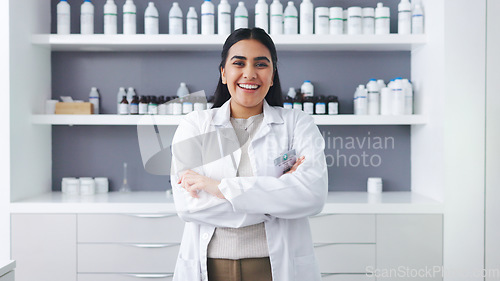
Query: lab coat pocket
pixel 187 269
pixel 306 268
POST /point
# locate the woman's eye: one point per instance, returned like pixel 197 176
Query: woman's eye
pixel 261 65
pixel 238 63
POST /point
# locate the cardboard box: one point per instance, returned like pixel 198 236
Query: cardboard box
pixel 74 108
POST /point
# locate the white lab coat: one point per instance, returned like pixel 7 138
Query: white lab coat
pixel 282 201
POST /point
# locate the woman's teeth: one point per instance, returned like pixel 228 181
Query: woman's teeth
pixel 249 86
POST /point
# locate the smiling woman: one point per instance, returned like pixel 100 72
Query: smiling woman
pixel 238 180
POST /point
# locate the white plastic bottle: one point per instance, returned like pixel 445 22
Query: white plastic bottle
pixel 240 16
pixel 175 19
pixel 382 19
pixel 344 19
pixel 408 89
pixel 386 101
pixel 94 98
pixel 207 17
pixel 151 23
pixel 398 97
pixel 276 17
pixel 262 15
pixel 373 97
pixel 360 101
pixel 130 94
pixel 129 17
pixel 404 17
pixel 417 19
pixel 110 17
pixel 336 21
pixel 381 84
pixel 291 25
pixel 306 17
pixel 322 20
pixel 307 89
pixel 87 18
pixel 192 21
pixel 368 20
pixel 182 91
pixel 121 93
pixel 63 17
pixel 224 18
pixel 354 21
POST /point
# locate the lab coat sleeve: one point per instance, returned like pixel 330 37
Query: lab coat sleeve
pixel 207 209
pixel 299 194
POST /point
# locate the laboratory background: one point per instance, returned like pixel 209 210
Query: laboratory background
pixel 402 91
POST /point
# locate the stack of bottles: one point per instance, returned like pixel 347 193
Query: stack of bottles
pixel 272 18
pixel 376 98
pixel 305 100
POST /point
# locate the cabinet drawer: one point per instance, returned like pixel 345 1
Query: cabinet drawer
pixel 345 258
pixel 129 228
pixel 124 277
pixel 346 277
pixel 7 277
pixel 127 258
pixel 327 228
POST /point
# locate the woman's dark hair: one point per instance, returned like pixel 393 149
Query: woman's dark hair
pixel 273 96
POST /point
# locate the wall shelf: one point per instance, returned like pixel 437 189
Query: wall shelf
pixel 112 119
pixel 167 42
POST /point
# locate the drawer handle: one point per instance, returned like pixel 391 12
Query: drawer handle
pixel 151 275
pixel 153 216
pixel 320 215
pixel 318 245
pixel 154 245
pixel 327 274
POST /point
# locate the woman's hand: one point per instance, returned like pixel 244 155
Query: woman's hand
pixel 193 182
pixel 296 165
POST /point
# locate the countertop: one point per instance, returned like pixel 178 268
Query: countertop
pixel 162 202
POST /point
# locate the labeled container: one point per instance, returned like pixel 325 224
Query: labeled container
pixel 291 21
pixel 354 20
pixel 374 185
pixel 192 21
pixel 151 23
pixel 87 186
pixel 224 18
pixel 101 185
pixel 368 20
pixel 404 17
pixel 207 17
pixel 240 16
pixel 276 18
pixel 262 15
pixel 63 11
pixel 110 17
pixel 306 17
pixel 87 18
pixel 336 21
pixel 175 19
pixel 322 20
pixel 70 186
pixel 382 19
pixel 129 18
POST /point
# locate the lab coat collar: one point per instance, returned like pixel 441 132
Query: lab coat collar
pixel 223 114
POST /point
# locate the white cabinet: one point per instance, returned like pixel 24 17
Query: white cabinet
pixel 9 276
pixel 7 271
pixel 44 246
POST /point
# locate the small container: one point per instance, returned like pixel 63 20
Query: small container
pixel 309 105
pixel 87 186
pixel 297 102
pixel 64 184
pixel 170 105
pixel 199 104
pixel 374 185
pixel 143 105
pixel 320 105
pixel 134 106
pixel 333 105
pixel 71 186
pixel 187 105
pixel 101 185
pixel 176 107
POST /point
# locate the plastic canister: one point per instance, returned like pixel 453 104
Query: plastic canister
pixel 354 21
pixel 374 185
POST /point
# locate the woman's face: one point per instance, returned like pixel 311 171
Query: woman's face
pixel 248 73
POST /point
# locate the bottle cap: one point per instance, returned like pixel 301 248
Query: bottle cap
pixel 290 3
pixel 373 79
pixel 241 3
pixel 307 81
pixel 93 89
pixel 183 84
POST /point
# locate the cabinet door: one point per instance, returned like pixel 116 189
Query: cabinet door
pixel 345 277
pixel 7 277
pixel 334 228
pixel 44 246
pixel 409 247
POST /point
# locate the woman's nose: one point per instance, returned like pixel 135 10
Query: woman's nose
pixel 249 72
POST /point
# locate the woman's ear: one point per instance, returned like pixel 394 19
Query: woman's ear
pixel 223 76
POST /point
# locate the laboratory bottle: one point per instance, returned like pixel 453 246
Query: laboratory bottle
pixel 123 107
pixel 176 107
pixel 94 98
pixel 373 97
pixel 368 20
pixel 169 109
pixel 288 101
pixel 224 18
pixel 354 20
pixel 182 91
pixel 151 23
pixel 207 17
pixel 320 105
pixel 336 21
pixel 199 104
pixel 175 19
pixel 192 21
pixel 306 17
pixel 297 102
pixel 308 105
pixel 404 17
pixel 110 17
pixel 129 17
pixel 382 19
pixel 134 106
pixel 143 105
pixel 417 19
pixel 385 101
pixel 291 19
pixel 322 20
pixel 187 105
pixel 152 106
pixel 210 102
pixel 381 84
pixel 130 94
pixel 119 98
pixel 240 16
pixel 162 107
pixel 333 105
pixel 87 18
pixel 63 17
pixel 276 17
pixel 307 89
pixel 344 19
pixel 360 101
pixel 398 97
pixel 408 89
pixel 262 15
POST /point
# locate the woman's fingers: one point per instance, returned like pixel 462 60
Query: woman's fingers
pixel 296 165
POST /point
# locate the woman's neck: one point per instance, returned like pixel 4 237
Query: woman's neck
pixel 242 112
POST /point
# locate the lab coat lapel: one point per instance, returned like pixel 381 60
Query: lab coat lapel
pixel 229 145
